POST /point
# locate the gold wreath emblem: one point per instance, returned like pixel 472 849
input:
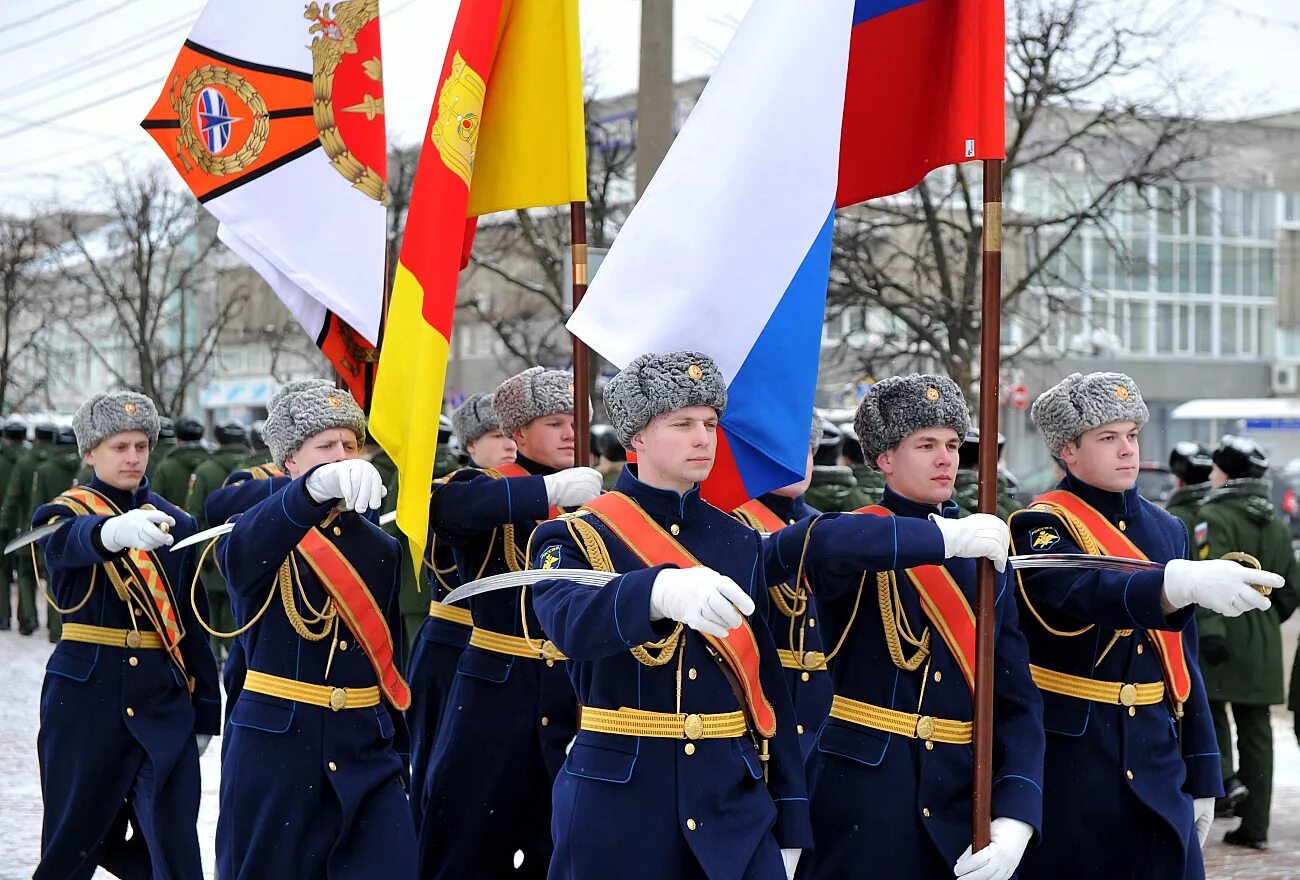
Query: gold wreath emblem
pixel 128 408
pixel 932 394
pixel 333 401
pixel 1121 392
pixel 695 372
pixel 190 149
pixel 336 27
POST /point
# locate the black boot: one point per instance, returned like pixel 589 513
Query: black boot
pixel 1234 792
pixel 1237 838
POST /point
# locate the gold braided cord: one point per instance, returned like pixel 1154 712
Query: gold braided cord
pixel 36 573
pixel 199 617
pixel 853 616
pixel 895 622
pixel 286 577
pixel 1085 541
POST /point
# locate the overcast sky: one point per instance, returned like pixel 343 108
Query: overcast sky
pixel 76 76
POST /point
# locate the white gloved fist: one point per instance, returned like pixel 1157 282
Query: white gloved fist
pixel 1217 584
pixel 572 486
pixel 975 536
pixel 202 740
pixel 1203 811
pixel 356 482
pixel 790 857
pixel 701 598
pixel 999 860
pixel 137 529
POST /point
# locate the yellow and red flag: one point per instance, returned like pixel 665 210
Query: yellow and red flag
pixel 506 132
pixel 273 115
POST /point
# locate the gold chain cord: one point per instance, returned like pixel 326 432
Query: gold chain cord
pixel 195 607
pixel 36 573
pixel 896 624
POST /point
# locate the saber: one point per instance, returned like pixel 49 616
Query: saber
pixel 218 531
pixel 526 578
pixel 1119 563
pixel 34 535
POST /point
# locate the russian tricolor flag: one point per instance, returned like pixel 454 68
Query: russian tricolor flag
pixel 814 106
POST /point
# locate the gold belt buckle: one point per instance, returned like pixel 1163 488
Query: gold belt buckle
pixel 924 727
pixel 338 699
pixel 693 726
pixel 133 639
pixel 1128 695
pixel 549 652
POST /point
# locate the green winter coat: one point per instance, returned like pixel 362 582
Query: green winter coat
pixel 966 489
pixel 871 483
pixel 9 456
pixel 15 515
pixel 255 458
pixel 55 475
pixel 1184 501
pixel 833 488
pixel 175 478
pixel 1239 517
pixel 157 456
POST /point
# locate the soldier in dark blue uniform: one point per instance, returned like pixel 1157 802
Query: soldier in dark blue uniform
pixel 1132 768
pixel 131 696
pixel 445 632
pixel 312 781
pixel 511 709
pixel 891 774
pixel 792 609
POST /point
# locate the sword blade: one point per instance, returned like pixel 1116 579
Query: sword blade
pixel 526 578
pixel 34 535
pixel 217 531
pixel 1081 560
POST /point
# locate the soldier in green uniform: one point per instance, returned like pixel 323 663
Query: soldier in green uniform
pixel 833 486
pixel 966 485
pixel 209 476
pixel 53 476
pixel 175 478
pixel 166 446
pixel 12 436
pixel 1190 464
pixel 1241 657
pixel 15 518
pixel 260 454
pixel 870 482
pixel 613 457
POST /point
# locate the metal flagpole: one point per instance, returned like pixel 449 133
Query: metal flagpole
pixel 581 357
pixel 990 368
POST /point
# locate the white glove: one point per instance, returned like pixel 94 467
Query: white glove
pixel 980 534
pixel 355 481
pixel 997 861
pixel 1203 810
pixel 1217 584
pixel 135 528
pixel 572 486
pixel 202 740
pixel 791 859
pixel 701 598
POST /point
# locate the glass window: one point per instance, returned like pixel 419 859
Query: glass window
pixel 1267 201
pixel 1231 213
pixel 1264 331
pixel 1186 271
pixel 1228 330
pixel 1165 211
pixel 1249 228
pixel 1138 322
pixel 1264 286
pixel 1248 328
pixel 1231 272
pixel 1292 211
pixel 1204 210
pixel 1203 330
pixel 1164 328
pixel 1101 278
pixel 1165 267
pixel 1204 269
pixel 1139 265
pixel 1071 262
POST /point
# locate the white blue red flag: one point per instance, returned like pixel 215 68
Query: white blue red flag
pixel 813 106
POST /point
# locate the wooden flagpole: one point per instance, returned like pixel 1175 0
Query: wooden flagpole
pixel 990 371
pixel 581 356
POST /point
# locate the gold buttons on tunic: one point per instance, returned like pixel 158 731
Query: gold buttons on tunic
pixel 333 767
pixel 675 529
pixel 798 728
pixel 545 721
pixel 343 646
pixel 938 676
pixel 133 639
pixel 1122 526
pixel 1128 773
pixel 130 713
pixel 690 824
pixel 929 746
pixel 812 623
pixel 803 676
pixel 689 748
pixel 692 674
pixel 1140 649
pixel 337 531
pixel 925 811
pixel 1132 711
pixel 134 661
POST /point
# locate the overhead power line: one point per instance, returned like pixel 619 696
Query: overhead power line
pixel 42 14
pixel 80 23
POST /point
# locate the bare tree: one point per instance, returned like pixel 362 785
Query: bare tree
pixel 23 309
pixel 142 289
pixel 906 270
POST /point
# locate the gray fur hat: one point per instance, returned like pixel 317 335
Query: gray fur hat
pixel 303 409
pixel 532 394
pixel 1079 403
pixel 899 406
pixel 106 414
pixel 653 384
pixel 474 418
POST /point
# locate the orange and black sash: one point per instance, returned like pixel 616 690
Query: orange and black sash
pixel 654 546
pixel 511 470
pixel 944 604
pixel 144 572
pixel 362 614
pixel 1112 542
pixel 756 514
